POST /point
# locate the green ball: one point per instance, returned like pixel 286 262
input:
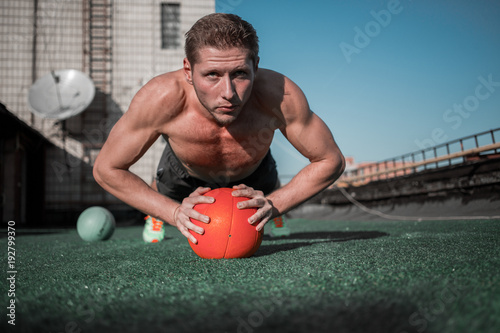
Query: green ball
pixel 95 224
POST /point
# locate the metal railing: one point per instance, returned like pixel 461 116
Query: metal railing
pixel 481 145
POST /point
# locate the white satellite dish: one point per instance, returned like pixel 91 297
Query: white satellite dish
pixel 61 94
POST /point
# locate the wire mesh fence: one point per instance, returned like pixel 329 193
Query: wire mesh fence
pixel 120 45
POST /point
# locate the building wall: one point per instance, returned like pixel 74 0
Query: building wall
pixel 51 36
pixel 138 56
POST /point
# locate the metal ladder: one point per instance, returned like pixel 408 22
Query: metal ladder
pixel 98 63
pixel 99 16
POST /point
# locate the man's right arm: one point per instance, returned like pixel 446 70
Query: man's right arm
pixel 127 142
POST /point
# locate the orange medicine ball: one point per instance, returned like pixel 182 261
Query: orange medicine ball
pixel 229 234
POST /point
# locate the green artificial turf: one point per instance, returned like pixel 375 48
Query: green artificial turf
pixel 328 276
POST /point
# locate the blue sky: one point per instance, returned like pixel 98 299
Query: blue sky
pixel 388 77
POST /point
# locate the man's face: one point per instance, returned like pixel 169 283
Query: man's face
pixel 223 81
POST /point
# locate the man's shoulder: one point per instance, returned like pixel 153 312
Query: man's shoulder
pixel 269 86
pixel 274 87
pixel 167 90
pixel 282 96
pixel 167 83
pixel 267 77
pixel 274 84
pixel 160 99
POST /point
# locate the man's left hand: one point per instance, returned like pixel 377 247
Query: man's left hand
pixel 256 199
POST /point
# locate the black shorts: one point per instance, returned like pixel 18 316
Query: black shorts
pixel 173 180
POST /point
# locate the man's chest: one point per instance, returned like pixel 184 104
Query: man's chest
pixel 222 148
pixel 234 150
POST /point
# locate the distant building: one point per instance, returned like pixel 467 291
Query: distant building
pixel 120 45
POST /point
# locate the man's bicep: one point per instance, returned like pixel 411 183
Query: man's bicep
pixel 303 128
pixel 127 143
pixel 312 138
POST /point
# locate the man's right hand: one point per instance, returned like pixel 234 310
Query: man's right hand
pixel 185 211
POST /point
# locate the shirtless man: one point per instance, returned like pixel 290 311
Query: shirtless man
pixel 218 115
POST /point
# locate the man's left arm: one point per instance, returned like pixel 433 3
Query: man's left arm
pixel 313 139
